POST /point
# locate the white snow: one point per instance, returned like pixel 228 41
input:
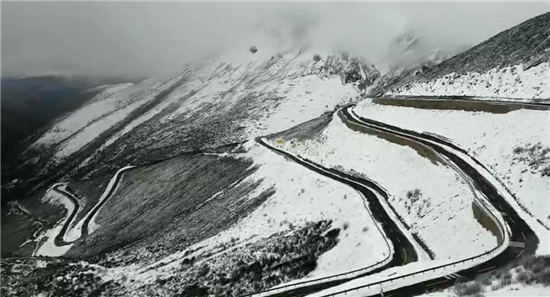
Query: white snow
pixel 398 277
pixel 443 215
pixel 300 95
pixel 41 264
pixel 101 105
pixel 48 248
pixel 307 98
pixel 93 130
pixel 110 88
pixel 102 112
pixel 496 287
pixel 520 291
pixel 491 138
pixel 271 90
pixel 511 82
pixel 516 290
pixel 301 196
pixel 413 273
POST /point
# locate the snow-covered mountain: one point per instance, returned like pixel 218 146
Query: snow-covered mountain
pixel 410 49
pixel 184 184
pixel 169 126
pixel 229 98
pixel 513 63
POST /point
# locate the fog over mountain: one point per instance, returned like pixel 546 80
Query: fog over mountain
pixel 142 39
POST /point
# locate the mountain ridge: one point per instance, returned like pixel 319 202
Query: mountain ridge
pixel 524 44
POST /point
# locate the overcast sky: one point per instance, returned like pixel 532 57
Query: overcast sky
pixel 141 39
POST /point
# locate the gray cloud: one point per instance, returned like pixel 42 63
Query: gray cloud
pixel 141 39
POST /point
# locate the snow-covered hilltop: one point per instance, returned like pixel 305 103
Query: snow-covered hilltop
pixel 513 64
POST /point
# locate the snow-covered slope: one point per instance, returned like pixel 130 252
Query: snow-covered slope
pixel 411 54
pixel 509 82
pixel 433 199
pixel 280 230
pixel 228 98
pixel 513 63
pixel 102 104
pixel 241 218
pixel 513 145
pixel 301 197
pixel 46 240
pixel 411 50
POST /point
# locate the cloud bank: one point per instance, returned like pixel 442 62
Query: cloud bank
pixel 137 39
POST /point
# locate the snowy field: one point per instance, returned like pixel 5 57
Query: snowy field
pixel 519 281
pixel 514 145
pixel 515 290
pixel 302 196
pixel 511 82
pixel 431 197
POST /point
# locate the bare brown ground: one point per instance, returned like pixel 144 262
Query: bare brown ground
pixel 466 105
pixel 421 149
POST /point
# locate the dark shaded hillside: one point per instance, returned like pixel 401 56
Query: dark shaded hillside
pixel 527 43
pixel 31 103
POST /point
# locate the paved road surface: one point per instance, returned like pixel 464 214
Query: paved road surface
pixel 404 250
pixel 523 240
pixel 58 240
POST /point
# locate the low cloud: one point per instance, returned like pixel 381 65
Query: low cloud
pixel 140 39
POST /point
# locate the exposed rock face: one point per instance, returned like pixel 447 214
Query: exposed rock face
pixel 352 70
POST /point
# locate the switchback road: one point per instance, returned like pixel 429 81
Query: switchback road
pixel 404 251
pixel 523 241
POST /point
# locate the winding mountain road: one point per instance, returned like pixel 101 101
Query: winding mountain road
pixel 60 238
pixel 521 232
pixel 84 224
pixel 404 251
pixel 111 187
pixel 523 240
pixel 519 237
